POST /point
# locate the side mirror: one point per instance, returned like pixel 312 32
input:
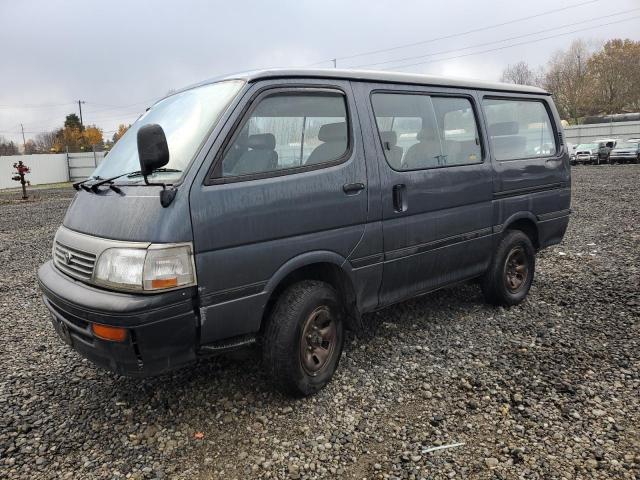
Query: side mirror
pixel 153 150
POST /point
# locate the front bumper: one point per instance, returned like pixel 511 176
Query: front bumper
pixel 161 328
pixel 586 158
pixel 623 156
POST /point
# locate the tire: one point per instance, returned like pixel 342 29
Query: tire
pixel 299 358
pixel 510 274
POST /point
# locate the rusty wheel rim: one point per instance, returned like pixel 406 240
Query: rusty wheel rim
pixel 318 340
pixel 516 269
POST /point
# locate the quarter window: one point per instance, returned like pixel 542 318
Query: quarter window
pixel 519 129
pixel 420 131
pixel 289 130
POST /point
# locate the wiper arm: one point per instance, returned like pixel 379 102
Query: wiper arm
pixel 94 187
pixel 79 185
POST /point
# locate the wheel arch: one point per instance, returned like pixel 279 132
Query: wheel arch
pixel 325 266
pixel 525 222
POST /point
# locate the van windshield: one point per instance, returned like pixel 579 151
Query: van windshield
pixel 186 118
pixel 587 146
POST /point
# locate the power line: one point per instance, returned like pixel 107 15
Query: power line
pixel 335 59
pixel 453 35
pixel 51 105
pixel 442 52
pixel 512 45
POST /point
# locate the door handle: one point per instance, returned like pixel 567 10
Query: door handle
pixel 353 188
pixel 400 198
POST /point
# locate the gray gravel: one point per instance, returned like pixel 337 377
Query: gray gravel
pixel 548 389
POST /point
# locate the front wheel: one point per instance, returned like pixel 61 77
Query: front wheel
pixel 510 274
pixel 303 338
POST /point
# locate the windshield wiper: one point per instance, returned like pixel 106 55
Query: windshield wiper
pixel 95 187
pixel 79 185
pixel 138 173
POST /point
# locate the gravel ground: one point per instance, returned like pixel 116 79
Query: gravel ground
pixel 548 389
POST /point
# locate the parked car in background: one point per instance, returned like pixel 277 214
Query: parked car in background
pixel 634 140
pixel 606 145
pixel 587 153
pixel 625 152
pixel 571 148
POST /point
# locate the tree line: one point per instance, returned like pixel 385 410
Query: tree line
pixel 585 81
pixel 72 137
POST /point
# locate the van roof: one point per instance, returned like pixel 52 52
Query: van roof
pixel 379 76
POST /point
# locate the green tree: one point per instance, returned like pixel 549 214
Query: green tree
pixel 73 121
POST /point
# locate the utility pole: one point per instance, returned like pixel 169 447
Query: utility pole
pixel 80 102
pixel 24 142
pixel 335 63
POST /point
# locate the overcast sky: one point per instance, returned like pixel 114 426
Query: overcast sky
pixel 120 55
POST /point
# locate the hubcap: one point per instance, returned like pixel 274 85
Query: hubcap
pixel 516 269
pixel 318 340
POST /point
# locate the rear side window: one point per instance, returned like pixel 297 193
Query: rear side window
pixel 419 131
pixel 289 130
pixel 519 129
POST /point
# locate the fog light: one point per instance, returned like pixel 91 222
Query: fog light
pixel 113 334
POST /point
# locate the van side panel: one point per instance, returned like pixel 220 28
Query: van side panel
pixel 537 189
pixel 246 231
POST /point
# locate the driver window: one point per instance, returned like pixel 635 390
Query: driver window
pixel 289 130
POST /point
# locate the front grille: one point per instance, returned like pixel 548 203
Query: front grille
pixel 74 262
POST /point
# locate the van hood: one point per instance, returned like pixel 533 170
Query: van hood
pixel 135 215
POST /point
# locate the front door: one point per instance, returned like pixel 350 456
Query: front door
pixel 288 179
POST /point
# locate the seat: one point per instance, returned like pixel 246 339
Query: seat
pixel 392 151
pixel 506 142
pixel 261 156
pixel 424 154
pixel 334 138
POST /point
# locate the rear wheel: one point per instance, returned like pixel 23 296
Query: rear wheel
pixel 303 338
pixel 510 274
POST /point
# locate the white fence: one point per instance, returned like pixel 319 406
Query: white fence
pixel 50 168
pixel 47 168
pixel 585 133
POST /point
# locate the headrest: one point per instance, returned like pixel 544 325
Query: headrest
pixel 333 132
pixel 262 141
pixel 390 137
pixel 504 128
pixel 426 134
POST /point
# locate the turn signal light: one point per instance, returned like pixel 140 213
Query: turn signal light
pixel 164 282
pixel 113 334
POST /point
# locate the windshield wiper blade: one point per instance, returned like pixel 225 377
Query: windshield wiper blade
pixel 138 173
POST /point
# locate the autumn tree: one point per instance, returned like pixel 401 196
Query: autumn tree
pixel 520 73
pixel 614 73
pixel 120 132
pixel 92 136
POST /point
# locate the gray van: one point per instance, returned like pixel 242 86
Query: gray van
pixel 276 207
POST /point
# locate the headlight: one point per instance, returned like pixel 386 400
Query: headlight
pixel 159 267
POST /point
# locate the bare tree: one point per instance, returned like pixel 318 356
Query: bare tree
pixel 8 147
pixel 45 141
pixel 568 80
pixel 520 73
